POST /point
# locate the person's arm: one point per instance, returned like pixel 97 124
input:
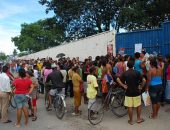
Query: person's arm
pixel 31 88
pixel 121 84
pixel 148 81
pixel 48 79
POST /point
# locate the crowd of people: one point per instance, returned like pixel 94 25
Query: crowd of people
pixel 87 79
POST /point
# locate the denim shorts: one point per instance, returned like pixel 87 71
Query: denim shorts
pixel 155 93
pixel 21 101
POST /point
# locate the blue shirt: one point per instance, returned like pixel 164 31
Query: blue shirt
pixel 137 66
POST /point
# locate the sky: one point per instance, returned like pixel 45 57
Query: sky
pixel 13 13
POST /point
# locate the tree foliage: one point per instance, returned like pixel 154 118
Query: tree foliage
pixel 85 17
pixel 144 14
pixel 3 56
pixel 76 19
pixel 39 36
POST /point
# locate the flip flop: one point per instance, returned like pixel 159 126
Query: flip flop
pixel 8 121
pixel 151 117
pixel 130 122
pixel 140 121
pixel 34 118
pixel 17 126
pixel 75 114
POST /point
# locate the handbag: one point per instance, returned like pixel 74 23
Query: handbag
pixel 146 98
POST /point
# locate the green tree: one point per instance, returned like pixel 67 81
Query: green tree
pixel 15 52
pixel 85 17
pixel 3 56
pixel 39 36
pixel 144 14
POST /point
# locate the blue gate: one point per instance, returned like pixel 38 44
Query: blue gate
pixel 155 40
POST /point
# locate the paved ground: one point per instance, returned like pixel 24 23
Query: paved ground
pixel 48 120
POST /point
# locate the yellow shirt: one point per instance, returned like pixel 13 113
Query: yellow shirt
pixel 92 84
pixel 39 65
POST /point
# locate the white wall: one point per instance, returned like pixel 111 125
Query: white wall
pixel 95 45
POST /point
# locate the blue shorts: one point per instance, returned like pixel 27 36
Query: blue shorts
pixel 155 93
pixel 21 101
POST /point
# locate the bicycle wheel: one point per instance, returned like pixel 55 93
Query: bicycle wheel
pixel 117 105
pixel 95 113
pixel 59 106
pixel 12 102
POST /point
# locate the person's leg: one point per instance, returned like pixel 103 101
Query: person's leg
pixel 4 107
pixel 71 89
pixel 34 104
pixel 139 110
pixel 50 101
pixel 157 109
pixel 19 115
pixel 25 110
pixel 130 113
pixel 85 93
pixel 154 111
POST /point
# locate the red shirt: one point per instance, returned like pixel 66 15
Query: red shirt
pixel 168 72
pixel 22 86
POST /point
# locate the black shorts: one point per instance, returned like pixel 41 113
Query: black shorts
pixel 155 93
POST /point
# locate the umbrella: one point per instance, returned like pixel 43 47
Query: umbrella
pixel 60 55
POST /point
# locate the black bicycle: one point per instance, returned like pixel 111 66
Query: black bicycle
pixel 58 102
pixel 113 101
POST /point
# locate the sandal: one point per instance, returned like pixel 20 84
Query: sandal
pixel 31 115
pixel 76 114
pixel 8 121
pixel 17 126
pixel 140 121
pixel 34 118
pixel 151 117
pixel 130 122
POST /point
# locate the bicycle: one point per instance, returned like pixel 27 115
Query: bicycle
pixel 59 104
pixel 12 101
pixel 114 100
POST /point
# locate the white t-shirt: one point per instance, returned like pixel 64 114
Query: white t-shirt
pixel 36 73
pixel 4 83
pixel 64 73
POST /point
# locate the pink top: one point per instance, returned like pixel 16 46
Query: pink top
pixel 168 72
pixel 46 73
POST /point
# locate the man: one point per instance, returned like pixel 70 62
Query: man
pixel 56 79
pixel 132 78
pixel 64 73
pixel 85 72
pixel 5 90
pixel 92 87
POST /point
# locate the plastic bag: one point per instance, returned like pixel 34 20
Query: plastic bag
pixel 146 98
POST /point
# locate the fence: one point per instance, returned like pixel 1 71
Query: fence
pixel 155 40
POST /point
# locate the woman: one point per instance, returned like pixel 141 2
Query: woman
pixel 77 81
pixel 155 87
pixel 23 87
pixel 47 70
pixel 33 102
pixel 120 67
